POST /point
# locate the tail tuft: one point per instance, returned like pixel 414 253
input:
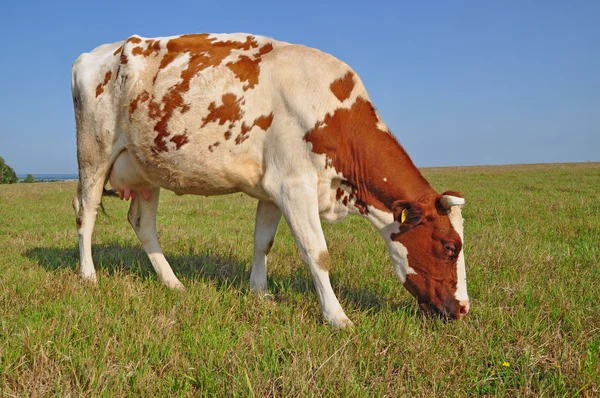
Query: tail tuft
pixel 109 192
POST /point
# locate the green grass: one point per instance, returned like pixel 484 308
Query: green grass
pixel 532 250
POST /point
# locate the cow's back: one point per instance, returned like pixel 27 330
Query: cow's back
pixel 199 112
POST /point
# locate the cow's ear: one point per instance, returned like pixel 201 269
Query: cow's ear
pixel 407 214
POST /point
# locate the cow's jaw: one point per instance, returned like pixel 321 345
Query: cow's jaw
pixel 387 227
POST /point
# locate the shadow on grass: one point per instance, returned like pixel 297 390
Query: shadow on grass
pixel 226 271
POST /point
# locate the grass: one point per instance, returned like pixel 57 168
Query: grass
pixel 532 250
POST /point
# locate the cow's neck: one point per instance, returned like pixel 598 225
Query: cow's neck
pixel 377 169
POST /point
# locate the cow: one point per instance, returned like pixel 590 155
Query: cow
pixel 289 125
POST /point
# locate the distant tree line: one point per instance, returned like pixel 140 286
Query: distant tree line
pixel 8 175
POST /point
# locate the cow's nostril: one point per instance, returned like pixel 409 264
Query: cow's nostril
pixel 463 307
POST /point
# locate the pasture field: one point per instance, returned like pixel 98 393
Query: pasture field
pixel 533 268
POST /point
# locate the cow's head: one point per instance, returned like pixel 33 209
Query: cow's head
pixel 427 251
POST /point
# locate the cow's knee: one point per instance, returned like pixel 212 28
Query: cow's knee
pixel 134 216
pixel 77 208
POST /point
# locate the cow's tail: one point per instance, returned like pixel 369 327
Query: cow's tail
pixel 107 192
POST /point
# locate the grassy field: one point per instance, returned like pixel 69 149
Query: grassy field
pixel 532 250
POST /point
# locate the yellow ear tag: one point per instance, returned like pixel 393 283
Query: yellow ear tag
pixel 403 216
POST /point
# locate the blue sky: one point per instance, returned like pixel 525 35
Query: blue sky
pixel 459 83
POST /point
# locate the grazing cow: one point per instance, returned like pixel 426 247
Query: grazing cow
pixel 288 125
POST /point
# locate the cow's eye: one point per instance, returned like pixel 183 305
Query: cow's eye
pixel 450 249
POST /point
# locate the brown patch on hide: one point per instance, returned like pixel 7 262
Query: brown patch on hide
pixel 141 98
pixel 264 122
pixel 229 111
pixel 100 88
pixel 267 48
pixel 154 109
pixel 323 261
pixel 365 155
pixel 247 69
pixel 342 87
pixel 179 140
pixel 203 51
pixel 153 48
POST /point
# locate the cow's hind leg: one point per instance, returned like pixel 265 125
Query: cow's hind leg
pixel 265 228
pixel 89 195
pixel 298 202
pixel 142 217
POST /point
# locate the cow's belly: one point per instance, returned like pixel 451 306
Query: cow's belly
pixel 242 173
pixel 189 172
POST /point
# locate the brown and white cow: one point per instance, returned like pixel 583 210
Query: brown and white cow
pixel 286 124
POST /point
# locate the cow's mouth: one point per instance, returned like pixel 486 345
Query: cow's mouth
pixel 435 311
pixel 450 311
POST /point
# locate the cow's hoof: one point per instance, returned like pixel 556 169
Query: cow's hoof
pixel 262 293
pixel 341 322
pixel 260 289
pixel 89 278
pixel 347 323
pixel 175 285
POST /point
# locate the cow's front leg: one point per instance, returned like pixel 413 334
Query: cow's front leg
pixel 265 228
pixel 142 217
pixel 299 205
